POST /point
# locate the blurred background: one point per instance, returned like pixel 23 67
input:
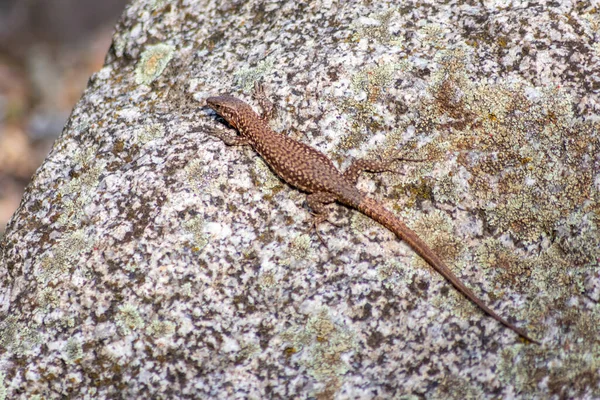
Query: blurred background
pixel 48 50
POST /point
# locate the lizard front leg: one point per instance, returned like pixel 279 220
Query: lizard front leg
pixel 267 106
pixel 228 138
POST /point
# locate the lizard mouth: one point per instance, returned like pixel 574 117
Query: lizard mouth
pixel 221 113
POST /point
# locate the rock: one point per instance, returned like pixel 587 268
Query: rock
pixel 147 259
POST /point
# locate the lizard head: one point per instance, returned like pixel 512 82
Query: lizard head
pixel 228 107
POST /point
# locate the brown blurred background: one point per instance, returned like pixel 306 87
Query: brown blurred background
pixel 48 50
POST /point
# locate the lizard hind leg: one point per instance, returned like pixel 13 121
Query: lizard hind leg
pixel 362 165
pixel 318 204
pixel 376 166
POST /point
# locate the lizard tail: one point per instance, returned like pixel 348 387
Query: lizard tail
pixel 377 212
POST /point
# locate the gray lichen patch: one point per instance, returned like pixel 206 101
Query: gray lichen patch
pixel 377 26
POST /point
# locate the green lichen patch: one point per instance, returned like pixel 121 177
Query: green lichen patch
pixel 47 299
pixel 131 265
pixel 456 387
pixel 18 337
pixel 149 132
pixel 72 211
pixel 433 35
pixel 195 226
pixel 77 192
pixel 63 256
pixel 525 155
pixel 329 342
pixel 267 280
pixel 322 342
pixel 300 246
pixel 512 269
pixel 129 319
pixel 73 350
pixel 395 276
pixel 373 82
pixel 489 138
pixel 555 281
pixel 153 62
pixel 360 223
pixel 157 4
pixel 201 178
pixel 85 173
pixel 3 388
pixel 572 374
pixel 264 176
pixel 415 188
pixel 580 241
pixel 195 169
pixel 247 351
pixel 158 328
pixel 186 289
pixel 246 77
pixel 437 227
pixel 448 190
pixel 518 159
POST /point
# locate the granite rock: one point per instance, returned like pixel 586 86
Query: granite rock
pixel 149 260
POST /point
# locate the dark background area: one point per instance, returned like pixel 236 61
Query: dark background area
pixel 48 50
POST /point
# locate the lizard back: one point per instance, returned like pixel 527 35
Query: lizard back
pixel 295 162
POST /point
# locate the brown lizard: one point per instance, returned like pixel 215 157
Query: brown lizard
pixel 311 171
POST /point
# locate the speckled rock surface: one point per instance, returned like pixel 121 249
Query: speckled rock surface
pixel 148 260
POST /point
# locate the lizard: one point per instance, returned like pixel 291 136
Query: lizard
pixel 311 171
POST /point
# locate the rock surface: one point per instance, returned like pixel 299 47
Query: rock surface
pixel 148 260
